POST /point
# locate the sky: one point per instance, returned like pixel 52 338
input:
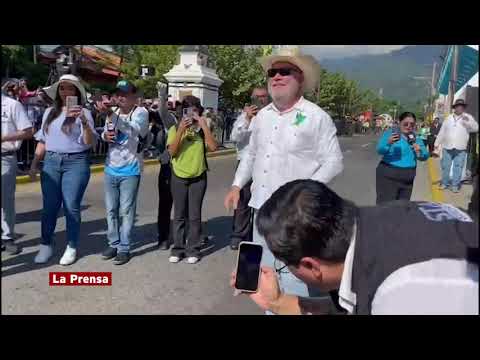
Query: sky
pixel 340 51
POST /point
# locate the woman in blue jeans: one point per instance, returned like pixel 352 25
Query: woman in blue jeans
pixel 65 139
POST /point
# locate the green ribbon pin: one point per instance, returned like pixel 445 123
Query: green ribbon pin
pixel 299 119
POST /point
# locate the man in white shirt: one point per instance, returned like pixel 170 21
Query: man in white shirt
pixel 292 138
pixel 328 242
pixel 453 137
pixel 16 126
pixel 242 219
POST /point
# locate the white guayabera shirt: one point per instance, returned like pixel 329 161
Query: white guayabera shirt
pixel 455 131
pixel 299 143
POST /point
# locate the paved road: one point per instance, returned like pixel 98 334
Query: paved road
pixel 148 284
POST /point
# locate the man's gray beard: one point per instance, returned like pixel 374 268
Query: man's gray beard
pixel 284 99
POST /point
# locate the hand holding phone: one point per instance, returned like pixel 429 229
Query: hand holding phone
pixel 71 101
pixel 247 274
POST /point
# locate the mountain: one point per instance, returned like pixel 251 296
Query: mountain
pixel 393 72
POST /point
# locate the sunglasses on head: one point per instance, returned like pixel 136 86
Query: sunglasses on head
pixel 282 71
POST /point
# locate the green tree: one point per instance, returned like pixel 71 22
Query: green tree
pixel 161 57
pixel 18 62
pixel 240 71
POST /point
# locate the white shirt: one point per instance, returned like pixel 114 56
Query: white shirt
pixel 14 118
pixel 242 129
pixel 454 133
pixel 434 287
pixel 299 143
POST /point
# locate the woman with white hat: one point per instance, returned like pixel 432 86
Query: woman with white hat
pixel 65 139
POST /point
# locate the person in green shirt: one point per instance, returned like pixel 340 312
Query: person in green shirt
pixel 424 134
pixel 187 145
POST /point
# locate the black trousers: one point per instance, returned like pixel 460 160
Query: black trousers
pixel 394 183
pixel 431 143
pixel 188 197
pixel 242 226
pixel 165 202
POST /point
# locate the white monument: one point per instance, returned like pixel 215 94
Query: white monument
pixel 194 76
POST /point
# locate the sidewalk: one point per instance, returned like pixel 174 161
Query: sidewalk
pixel 459 200
pixel 227 148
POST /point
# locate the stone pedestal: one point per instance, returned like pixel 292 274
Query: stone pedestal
pixel 194 76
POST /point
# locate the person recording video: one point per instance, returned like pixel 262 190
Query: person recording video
pixel 401 149
pixel 242 129
pixel 124 130
pixel 328 243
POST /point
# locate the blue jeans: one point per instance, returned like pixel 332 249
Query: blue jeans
pixel 458 158
pixel 121 204
pixel 64 179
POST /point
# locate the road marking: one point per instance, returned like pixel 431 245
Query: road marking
pixel 347 151
pixel 365 145
pixel 437 194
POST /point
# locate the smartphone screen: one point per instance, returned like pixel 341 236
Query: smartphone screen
pixel 71 101
pixel 248 266
pixel 395 130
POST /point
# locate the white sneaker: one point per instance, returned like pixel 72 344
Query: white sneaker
pixel 174 259
pixel 69 256
pixel 192 260
pixel 45 253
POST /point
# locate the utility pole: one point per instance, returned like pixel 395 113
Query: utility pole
pixel 35 54
pixel 453 76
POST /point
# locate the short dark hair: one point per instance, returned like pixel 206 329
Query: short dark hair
pixel 192 101
pixel 407 114
pixel 305 218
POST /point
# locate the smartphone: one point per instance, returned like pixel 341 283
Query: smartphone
pixel 71 101
pixel 257 102
pixel 396 130
pixel 248 266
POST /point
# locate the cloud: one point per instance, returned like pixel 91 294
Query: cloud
pixel 339 51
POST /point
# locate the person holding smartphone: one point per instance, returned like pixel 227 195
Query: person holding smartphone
pixel 187 144
pixel 328 242
pixel 242 129
pixel 400 149
pixel 123 168
pixel 65 138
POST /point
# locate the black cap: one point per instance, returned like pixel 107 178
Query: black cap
pixel 459 102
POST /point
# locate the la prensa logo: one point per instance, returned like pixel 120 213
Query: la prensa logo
pixel 80 278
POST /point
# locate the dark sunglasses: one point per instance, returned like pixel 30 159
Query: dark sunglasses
pixel 282 71
pixel 409 123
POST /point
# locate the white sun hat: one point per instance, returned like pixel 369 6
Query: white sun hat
pixel 292 55
pixel 51 91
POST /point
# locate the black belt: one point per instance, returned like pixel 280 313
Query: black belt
pixel 8 153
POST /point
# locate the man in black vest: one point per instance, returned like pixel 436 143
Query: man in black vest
pixel 422 259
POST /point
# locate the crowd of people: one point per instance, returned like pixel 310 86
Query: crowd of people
pixel 314 241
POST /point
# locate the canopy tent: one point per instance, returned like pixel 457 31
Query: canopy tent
pixel 467 67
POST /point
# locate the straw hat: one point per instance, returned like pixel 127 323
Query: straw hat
pixel 51 91
pixel 306 63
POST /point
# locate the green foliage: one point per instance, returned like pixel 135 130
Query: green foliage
pixel 17 61
pixel 161 57
pixel 239 69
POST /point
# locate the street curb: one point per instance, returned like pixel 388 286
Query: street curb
pixel 437 194
pixel 25 179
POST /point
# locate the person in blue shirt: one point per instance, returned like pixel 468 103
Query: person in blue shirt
pixel 123 168
pixel 401 149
